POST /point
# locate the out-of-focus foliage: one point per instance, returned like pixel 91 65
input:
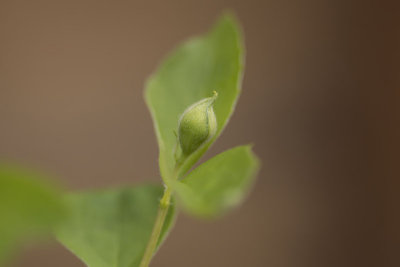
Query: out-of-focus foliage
pixel 29 207
pixel 112 228
pixel 219 184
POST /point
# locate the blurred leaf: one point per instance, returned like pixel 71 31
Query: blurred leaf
pixel 192 72
pixel 112 228
pixel 29 207
pixel 218 184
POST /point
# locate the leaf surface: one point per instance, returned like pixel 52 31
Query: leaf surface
pixel 112 228
pixel 190 73
pixel 29 207
pixel 219 184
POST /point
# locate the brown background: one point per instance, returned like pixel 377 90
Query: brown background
pixel 320 101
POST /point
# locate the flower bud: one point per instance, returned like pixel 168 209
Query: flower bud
pixel 197 125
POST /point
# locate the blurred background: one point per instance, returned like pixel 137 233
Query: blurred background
pixel 320 101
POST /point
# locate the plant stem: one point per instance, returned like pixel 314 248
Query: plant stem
pixel 158 225
pixel 165 202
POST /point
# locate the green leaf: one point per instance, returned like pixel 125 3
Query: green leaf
pixel 112 228
pixel 192 72
pixel 29 207
pixel 218 184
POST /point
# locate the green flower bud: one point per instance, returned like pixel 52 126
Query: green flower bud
pixel 197 125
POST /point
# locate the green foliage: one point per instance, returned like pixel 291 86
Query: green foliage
pixel 29 207
pixel 183 85
pixel 219 184
pixel 112 228
pixel 124 227
pixel 192 72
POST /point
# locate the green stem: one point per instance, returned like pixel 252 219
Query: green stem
pixel 165 202
pixel 158 225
